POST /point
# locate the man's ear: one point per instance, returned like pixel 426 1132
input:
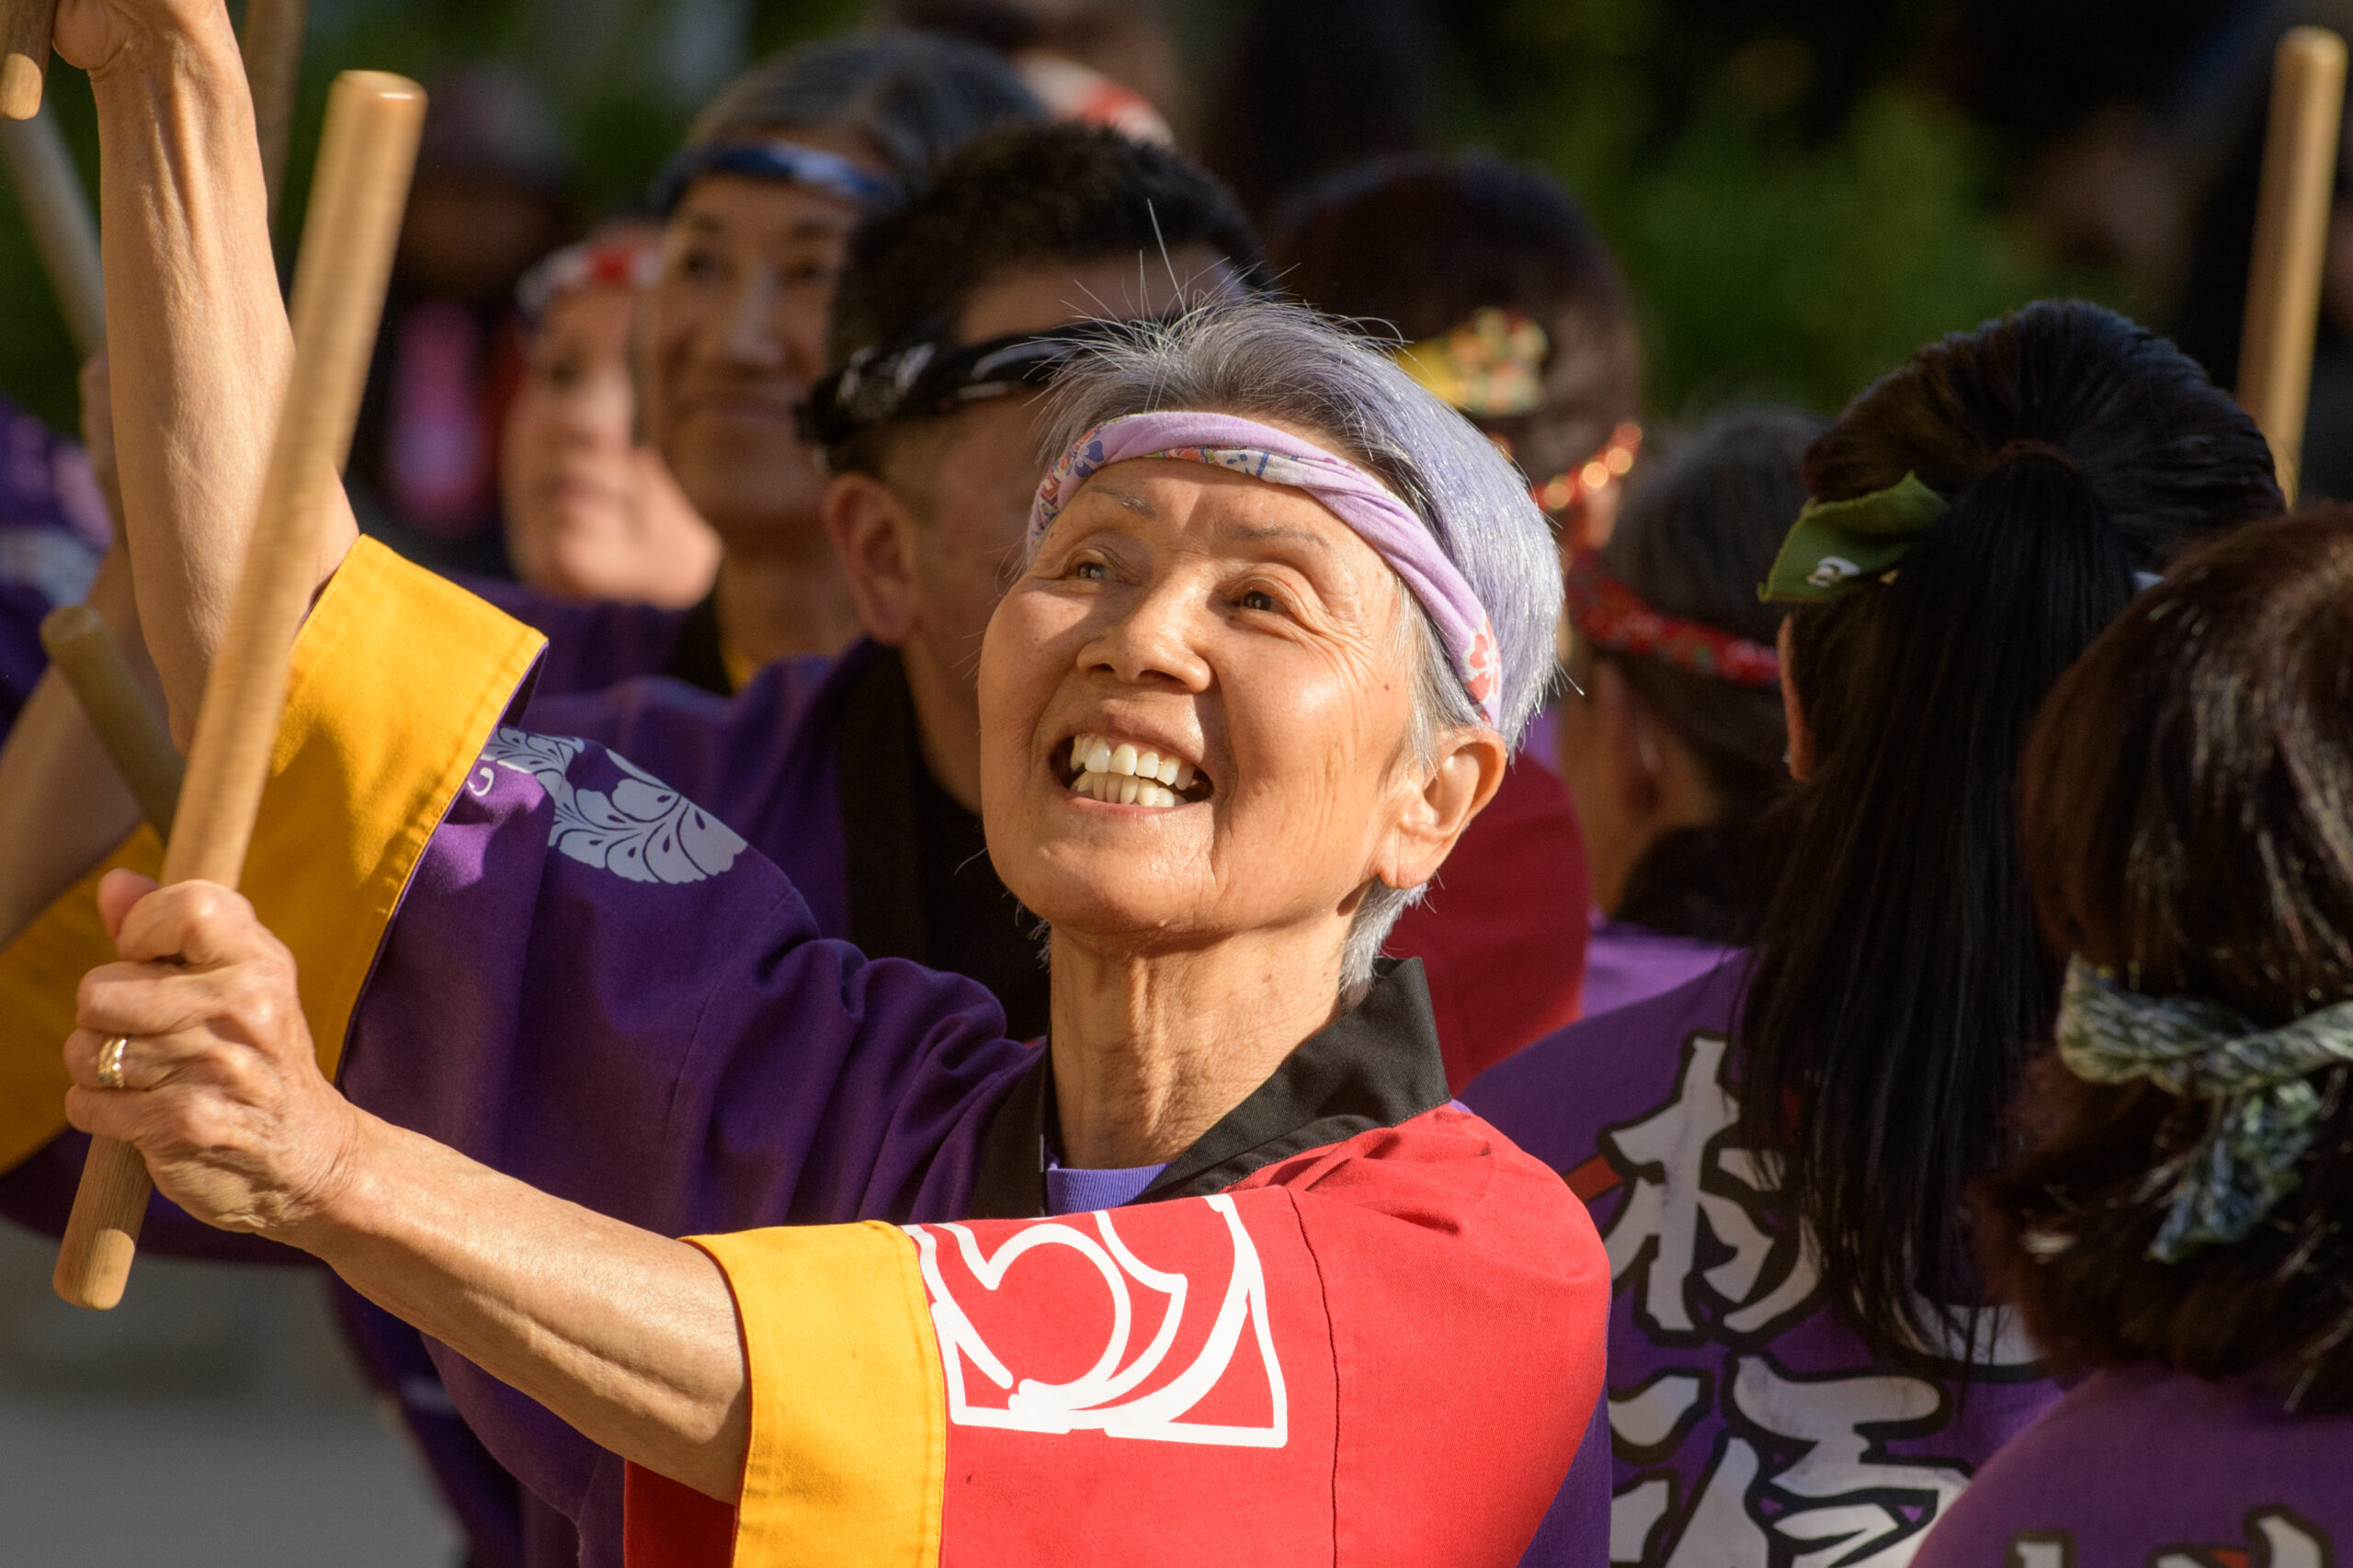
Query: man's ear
pixel 873 537
pixel 1469 771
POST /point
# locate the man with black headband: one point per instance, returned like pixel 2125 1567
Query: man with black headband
pixel 859 775
pixel 758 207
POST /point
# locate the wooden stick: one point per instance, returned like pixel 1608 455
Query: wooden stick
pixel 57 209
pixel 2291 236
pixel 128 725
pixel 271 42
pixel 26 28
pixel 364 161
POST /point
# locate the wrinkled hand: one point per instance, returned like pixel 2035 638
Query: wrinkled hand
pixel 97 34
pixel 224 1096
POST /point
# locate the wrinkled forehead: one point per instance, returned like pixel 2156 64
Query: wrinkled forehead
pixel 1200 508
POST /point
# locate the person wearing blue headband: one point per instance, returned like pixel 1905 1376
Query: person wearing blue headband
pixel 758 209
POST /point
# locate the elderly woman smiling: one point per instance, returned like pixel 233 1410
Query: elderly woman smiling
pixel 1281 612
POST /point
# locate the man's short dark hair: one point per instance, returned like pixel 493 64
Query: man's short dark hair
pixel 1018 196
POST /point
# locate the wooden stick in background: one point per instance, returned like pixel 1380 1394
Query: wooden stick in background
pixel 133 731
pixel 26 28
pixel 365 160
pixel 271 42
pixel 57 209
pixel 2290 238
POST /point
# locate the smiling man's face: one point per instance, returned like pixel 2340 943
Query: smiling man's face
pixel 734 335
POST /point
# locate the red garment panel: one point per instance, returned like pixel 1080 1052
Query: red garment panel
pixel 1143 1385
pixel 1469 1302
pixel 1384 1351
pixel 666 1525
pixel 1502 931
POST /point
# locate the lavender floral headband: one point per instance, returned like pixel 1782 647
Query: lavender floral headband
pixel 1351 494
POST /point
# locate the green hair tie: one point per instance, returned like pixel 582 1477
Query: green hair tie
pixel 2264 1111
pixel 1836 544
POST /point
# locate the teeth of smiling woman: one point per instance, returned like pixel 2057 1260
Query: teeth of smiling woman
pixel 1122 775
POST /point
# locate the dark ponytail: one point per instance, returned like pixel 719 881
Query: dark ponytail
pixel 1899 979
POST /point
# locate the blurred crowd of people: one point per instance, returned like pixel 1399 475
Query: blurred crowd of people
pixel 756 455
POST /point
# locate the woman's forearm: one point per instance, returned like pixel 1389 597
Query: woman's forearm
pixel 197 332
pixel 629 1336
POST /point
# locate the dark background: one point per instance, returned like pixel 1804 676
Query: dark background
pixel 1799 193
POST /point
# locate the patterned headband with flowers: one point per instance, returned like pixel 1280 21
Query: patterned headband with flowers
pixel 1392 529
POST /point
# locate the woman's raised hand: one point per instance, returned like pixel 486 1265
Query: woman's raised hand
pixel 96 34
pixel 219 1086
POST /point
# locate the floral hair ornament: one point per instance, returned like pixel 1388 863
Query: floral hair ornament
pixel 1492 366
pixel 2263 1112
pixel 1394 530
pixel 1836 544
pixel 1611 615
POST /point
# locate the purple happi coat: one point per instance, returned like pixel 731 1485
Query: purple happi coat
pixel 597 987
pixel 597 643
pixel 2141 1468
pixel 1750 1427
pixel 1626 963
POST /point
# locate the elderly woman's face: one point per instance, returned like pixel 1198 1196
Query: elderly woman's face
pixel 1252 643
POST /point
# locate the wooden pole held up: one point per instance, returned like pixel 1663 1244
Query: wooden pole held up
pixel 2283 281
pixel 26 28
pixel 361 187
pixel 128 725
pixel 271 42
pixel 65 233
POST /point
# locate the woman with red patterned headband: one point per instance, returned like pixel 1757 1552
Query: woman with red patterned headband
pixel 1672 739
pixel 591 510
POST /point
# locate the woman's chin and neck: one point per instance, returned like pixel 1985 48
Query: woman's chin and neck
pixel 1155 1043
pixel 781 594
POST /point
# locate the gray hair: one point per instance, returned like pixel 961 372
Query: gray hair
pixel 1268 359
pixel 916 98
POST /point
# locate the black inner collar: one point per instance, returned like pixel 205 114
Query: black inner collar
pixel 1375 1065
pixel 921 886
pixel 700 656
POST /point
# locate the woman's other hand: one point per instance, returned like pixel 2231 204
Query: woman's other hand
pixel 221 1087
pixel 96 34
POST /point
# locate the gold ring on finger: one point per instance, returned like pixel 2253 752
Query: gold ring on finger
pixel 110 1062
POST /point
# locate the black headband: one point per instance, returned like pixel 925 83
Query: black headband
pixel 924 379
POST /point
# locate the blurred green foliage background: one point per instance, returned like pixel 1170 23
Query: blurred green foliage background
pixel 1794 206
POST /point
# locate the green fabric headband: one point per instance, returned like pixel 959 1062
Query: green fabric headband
pixel 1836 544
pixel 2265 1110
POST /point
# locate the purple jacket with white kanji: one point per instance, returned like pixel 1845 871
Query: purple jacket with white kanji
pixel 1749 1424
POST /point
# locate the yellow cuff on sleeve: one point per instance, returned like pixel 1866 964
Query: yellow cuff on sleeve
pixel 848 1455
pixel 40 979
pixel 398 677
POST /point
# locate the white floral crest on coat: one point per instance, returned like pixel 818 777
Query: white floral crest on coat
pixel 644 831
